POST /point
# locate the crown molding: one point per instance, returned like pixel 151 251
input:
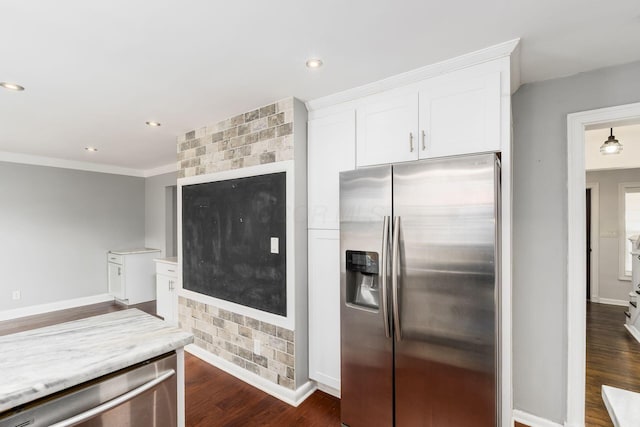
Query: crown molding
pixel 28 159
pixel 483 55
pixel 161 170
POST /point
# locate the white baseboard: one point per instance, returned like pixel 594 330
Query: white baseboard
pixel 53 306
pixel 532 420
pixel 328 389
pixel 612 301
pixel 633 331
pixel 292 397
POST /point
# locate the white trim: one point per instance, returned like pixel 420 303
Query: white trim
pixel 633 331
pixel 611 301
pixel 576 312
pixel 161 170
pixel 53 306
pixel 180 394
pixel 287 321
pixel 483 55
pixel 28 159
pixel 532 420
pixel 595 240
pixel 328 389
pixel 506 248
pixel 292 397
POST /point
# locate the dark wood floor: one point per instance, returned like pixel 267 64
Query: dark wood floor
pixel 213 397
pixel 613 358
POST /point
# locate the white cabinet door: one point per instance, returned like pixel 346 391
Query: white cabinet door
pixel 331 150
pixel 388 128
pixel 164 295
pixel 460 114
pixel 324 307
pixel 116 281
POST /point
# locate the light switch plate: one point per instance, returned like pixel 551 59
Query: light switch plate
pixel 275 245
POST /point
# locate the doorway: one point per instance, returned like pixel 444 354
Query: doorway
pixel 171 223
pixel 577 123
pixel 592 241
pixel 588 257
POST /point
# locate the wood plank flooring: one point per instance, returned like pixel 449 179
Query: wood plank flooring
pixel 214 397
pixel 613 358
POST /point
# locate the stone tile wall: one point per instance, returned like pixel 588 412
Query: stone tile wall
pixel 231 336
pixel 263 135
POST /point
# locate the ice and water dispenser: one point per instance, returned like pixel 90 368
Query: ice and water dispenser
pixel 362 279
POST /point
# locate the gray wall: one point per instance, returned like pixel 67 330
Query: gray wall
pixel 157 232
pixel 608 283
pixel 540 227
pixel 56 226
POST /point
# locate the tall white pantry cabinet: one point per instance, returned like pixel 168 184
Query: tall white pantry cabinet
pixel 460 106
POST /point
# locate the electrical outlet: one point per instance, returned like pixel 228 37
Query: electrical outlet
pixel 15 295
pixel 256 347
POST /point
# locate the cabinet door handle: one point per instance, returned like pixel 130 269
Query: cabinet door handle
pixel 119 272
pixel 424 137
pixel 170 285
pixel 411 141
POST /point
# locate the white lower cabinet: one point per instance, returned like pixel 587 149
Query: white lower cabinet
pixel 324 307
pixel 130 275
pixel 166 285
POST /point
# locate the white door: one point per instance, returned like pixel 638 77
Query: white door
pixel 324 307
pixel 460 114
pixel 388 128
pixel 164 294
pixel 116 281
pixel 331 149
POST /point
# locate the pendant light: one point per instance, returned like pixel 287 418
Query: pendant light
pixel 611 145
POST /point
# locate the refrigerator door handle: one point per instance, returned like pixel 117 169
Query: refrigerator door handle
pixel 394 277
pixel 384 274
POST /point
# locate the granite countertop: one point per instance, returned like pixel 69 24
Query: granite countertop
pixel 43 361
pixel 169 260
pixel 623 406
pixel 135 251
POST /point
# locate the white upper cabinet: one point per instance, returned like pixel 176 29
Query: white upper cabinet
pixel 388 128
pixel 460 114
pixel 451 114
pixel 331 150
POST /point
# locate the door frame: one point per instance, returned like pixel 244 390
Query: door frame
pixel 595 240
pixel 576 248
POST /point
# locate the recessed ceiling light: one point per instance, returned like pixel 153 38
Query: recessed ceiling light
pixel 155 124
pixel 314 63
pixel 11 86
pixel 91 149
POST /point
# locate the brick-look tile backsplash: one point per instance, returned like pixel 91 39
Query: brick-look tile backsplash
pixel 264 135
pixel 231 336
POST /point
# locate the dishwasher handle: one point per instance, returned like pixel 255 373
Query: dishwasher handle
pixel 77 419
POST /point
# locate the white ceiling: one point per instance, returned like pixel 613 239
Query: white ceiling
pixel 629 157
pixel 95 71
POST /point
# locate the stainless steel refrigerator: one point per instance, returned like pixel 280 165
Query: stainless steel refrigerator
pixel 420 258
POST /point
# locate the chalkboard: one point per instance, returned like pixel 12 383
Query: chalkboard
pixel 227 228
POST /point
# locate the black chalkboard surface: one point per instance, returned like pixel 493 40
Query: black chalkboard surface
pixel 227 228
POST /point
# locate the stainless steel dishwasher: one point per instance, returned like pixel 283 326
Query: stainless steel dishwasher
pixel 142 395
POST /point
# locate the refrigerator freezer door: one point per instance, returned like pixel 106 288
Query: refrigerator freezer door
pixel 445 360
pixel 367 351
